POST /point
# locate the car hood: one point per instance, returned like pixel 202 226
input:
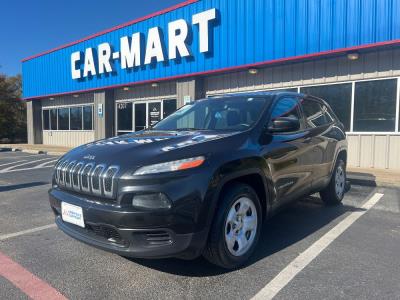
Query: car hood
pixel 146 147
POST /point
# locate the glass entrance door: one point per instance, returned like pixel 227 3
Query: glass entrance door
pixel 135 116
pixel 140 116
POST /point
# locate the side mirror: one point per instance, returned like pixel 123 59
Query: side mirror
pixel 284 124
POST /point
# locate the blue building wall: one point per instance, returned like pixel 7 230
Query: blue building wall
pixel 247 32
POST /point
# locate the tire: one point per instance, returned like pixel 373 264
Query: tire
pixel 229 244
pixel 333 194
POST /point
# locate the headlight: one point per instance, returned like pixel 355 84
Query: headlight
pixel 177 165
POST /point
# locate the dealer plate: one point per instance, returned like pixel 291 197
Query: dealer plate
pixel 72 214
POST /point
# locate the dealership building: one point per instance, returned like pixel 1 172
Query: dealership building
pixel 127 78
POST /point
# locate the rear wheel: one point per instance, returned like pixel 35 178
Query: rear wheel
pixel 333 194
pixel 236 228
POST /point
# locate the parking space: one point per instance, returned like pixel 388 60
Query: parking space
pixel 360 262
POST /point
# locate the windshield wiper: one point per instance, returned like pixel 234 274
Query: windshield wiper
pixel 188 129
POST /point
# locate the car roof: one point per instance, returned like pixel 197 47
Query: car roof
pixel 266 93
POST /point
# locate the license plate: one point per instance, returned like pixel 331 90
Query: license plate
pixel 72 214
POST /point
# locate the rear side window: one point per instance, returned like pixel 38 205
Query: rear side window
pixel 316 114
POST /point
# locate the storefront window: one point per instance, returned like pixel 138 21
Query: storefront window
pixel 292 90
pixel 76 118
pixel 63 119
pixel 169 107
pixel 338 97
pixel 375 105
pixel 53 119
pixel 46 119
pixel 124 111
pixel 87 118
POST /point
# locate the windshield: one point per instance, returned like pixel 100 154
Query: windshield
pixel 229 113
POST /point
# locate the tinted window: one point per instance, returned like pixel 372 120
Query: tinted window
pixel 338 97
pixel 315 113
pixel 169 107
pixel 76 118
pixel 46 119
pixel 53 119
pixel 227 113
pixel 375 105
pixel 124 111
pixel 88 118
pixel 63 119
pixel 140 116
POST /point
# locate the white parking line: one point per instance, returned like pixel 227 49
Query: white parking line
pixel 305 258
pixel 14 162
pixel 20 156
pixel 6 170
pixel 45 164
pixel 28 231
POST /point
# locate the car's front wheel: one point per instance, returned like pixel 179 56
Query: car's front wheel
pixel 236 228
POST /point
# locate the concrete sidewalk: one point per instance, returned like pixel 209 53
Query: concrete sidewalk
pixel 373 177
pixel 35 149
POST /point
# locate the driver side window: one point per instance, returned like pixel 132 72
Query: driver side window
pixel 288 108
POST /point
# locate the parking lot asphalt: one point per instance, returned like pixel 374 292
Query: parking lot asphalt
pixel 359 262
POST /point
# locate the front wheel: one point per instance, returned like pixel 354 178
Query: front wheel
pixel 236 228
pixel 333 194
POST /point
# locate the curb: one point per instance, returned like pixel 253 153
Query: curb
pixel 31 151
pixel 370 182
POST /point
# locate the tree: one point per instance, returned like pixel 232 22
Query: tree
pixel 12 110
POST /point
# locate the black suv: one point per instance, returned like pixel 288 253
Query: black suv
pixel 203 180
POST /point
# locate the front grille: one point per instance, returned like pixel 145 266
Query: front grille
pixel 87 178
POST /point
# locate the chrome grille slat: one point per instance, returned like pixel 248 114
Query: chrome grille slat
pixel 68 175
pixel 108 180
pixel 87 178
pixel 75 176
pixel 95 179
pixel 62 172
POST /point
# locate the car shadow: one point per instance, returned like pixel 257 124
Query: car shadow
pixel 13 187
pixel 296 222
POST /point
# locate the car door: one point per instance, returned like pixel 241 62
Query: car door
pixel 287 154
pixel 321 133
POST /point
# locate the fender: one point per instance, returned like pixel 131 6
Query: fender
pixel 233 170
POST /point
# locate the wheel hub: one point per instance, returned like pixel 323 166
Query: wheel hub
pixel 241 226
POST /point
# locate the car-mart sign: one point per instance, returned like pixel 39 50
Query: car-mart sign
pixel 93 62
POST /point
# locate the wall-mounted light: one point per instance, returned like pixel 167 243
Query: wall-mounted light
pixel 126 88
pixel 51 98
pixel 353 56
pixel 75 95
pixel 253 71
pixel 154 84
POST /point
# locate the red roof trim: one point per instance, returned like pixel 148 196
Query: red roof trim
pixel 161 12
pixel 235 68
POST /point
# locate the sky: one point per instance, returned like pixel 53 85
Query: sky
pixel 28 27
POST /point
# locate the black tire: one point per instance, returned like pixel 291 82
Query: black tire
pixel 329 195
pixel 216 250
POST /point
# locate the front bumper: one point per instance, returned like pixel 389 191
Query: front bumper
pixel 131 233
